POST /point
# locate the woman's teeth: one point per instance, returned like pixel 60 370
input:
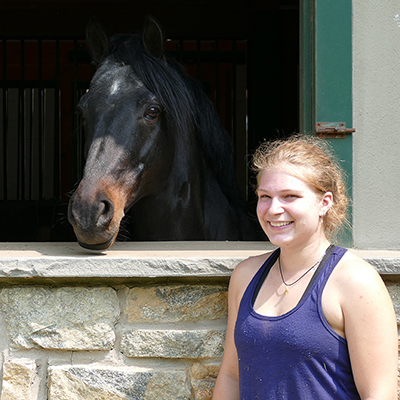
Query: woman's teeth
pixel 277 224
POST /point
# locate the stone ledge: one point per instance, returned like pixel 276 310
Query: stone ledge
pixel 32 263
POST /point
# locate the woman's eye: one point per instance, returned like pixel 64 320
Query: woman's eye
pixel 152 114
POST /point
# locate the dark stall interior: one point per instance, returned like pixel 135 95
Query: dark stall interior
pixel 244 52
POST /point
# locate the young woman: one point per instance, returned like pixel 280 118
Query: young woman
pixel 309 320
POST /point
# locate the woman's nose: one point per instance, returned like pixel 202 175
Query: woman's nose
pixel 275 206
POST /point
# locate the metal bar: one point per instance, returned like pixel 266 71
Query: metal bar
pixel 40 120
pixel 5 123
pixel 57 151
pixel 29 162
pixel 217 75
pixel 234 97
pixel 332 130
pixel 21 128
pixel 75 156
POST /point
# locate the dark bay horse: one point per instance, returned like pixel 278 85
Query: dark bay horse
pixel 157 148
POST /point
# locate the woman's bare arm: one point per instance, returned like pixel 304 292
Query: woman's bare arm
pixel 370 329
pixel 227 385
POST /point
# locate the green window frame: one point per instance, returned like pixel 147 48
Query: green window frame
pixel 326 78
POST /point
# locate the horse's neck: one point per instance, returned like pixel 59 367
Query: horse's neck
pixel 177 209
pixel 169 216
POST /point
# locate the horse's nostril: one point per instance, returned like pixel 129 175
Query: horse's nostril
pixel 106 213
pixel 106 206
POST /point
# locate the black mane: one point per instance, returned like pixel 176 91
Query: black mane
pixel 189 108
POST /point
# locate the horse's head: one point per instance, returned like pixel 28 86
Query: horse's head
pixel 130 151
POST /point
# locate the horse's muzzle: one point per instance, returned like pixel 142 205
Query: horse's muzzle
pixel 93 220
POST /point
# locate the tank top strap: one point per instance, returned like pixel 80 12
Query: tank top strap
pixel 321 265
pixel 261 274
pixel 332 257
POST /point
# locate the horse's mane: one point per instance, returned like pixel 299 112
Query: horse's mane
pixel 186 103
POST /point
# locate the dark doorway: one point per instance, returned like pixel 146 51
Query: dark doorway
pixel 246 54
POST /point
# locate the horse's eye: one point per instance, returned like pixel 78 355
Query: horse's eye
pixel 152 114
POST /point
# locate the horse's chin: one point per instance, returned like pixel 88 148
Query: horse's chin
pixel 97 246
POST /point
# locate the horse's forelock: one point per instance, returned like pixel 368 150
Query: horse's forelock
pixel 163 77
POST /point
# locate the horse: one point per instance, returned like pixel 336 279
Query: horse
pixel 157 149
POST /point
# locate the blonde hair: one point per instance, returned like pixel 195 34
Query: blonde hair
pixel 310 160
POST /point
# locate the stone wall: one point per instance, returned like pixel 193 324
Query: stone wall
pixel 141 321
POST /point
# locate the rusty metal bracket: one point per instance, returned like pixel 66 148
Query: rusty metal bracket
pixel 332 130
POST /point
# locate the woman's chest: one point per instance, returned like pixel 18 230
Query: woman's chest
pixel 275 299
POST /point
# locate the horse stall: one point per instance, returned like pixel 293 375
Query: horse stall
pixel 43 142
pixel 249 72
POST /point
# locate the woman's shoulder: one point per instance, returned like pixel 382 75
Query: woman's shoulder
pixel 242 276
pixel 251 265
pixel 355 275
pixel 245 271
pixel 356 266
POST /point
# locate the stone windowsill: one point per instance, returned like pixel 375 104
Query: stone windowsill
pixel 51 263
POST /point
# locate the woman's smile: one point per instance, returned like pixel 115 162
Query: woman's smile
pixel 277 224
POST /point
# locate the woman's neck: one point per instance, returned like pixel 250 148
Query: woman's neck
pixel 296 259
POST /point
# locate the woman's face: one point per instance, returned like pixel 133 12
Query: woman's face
pixel 289 209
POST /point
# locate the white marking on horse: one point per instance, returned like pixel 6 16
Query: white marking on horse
pixel 115 87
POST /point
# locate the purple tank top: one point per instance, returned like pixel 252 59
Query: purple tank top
pixel 295 356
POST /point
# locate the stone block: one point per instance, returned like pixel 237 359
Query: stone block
pixel 173 343
pixel 170 304
pixel 203 378
pixel 68 318
pixel 116 383
pixel 203 388
pixel 19 376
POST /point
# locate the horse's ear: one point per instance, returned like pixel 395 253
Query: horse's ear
pixel 153 38
pixel 96 41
